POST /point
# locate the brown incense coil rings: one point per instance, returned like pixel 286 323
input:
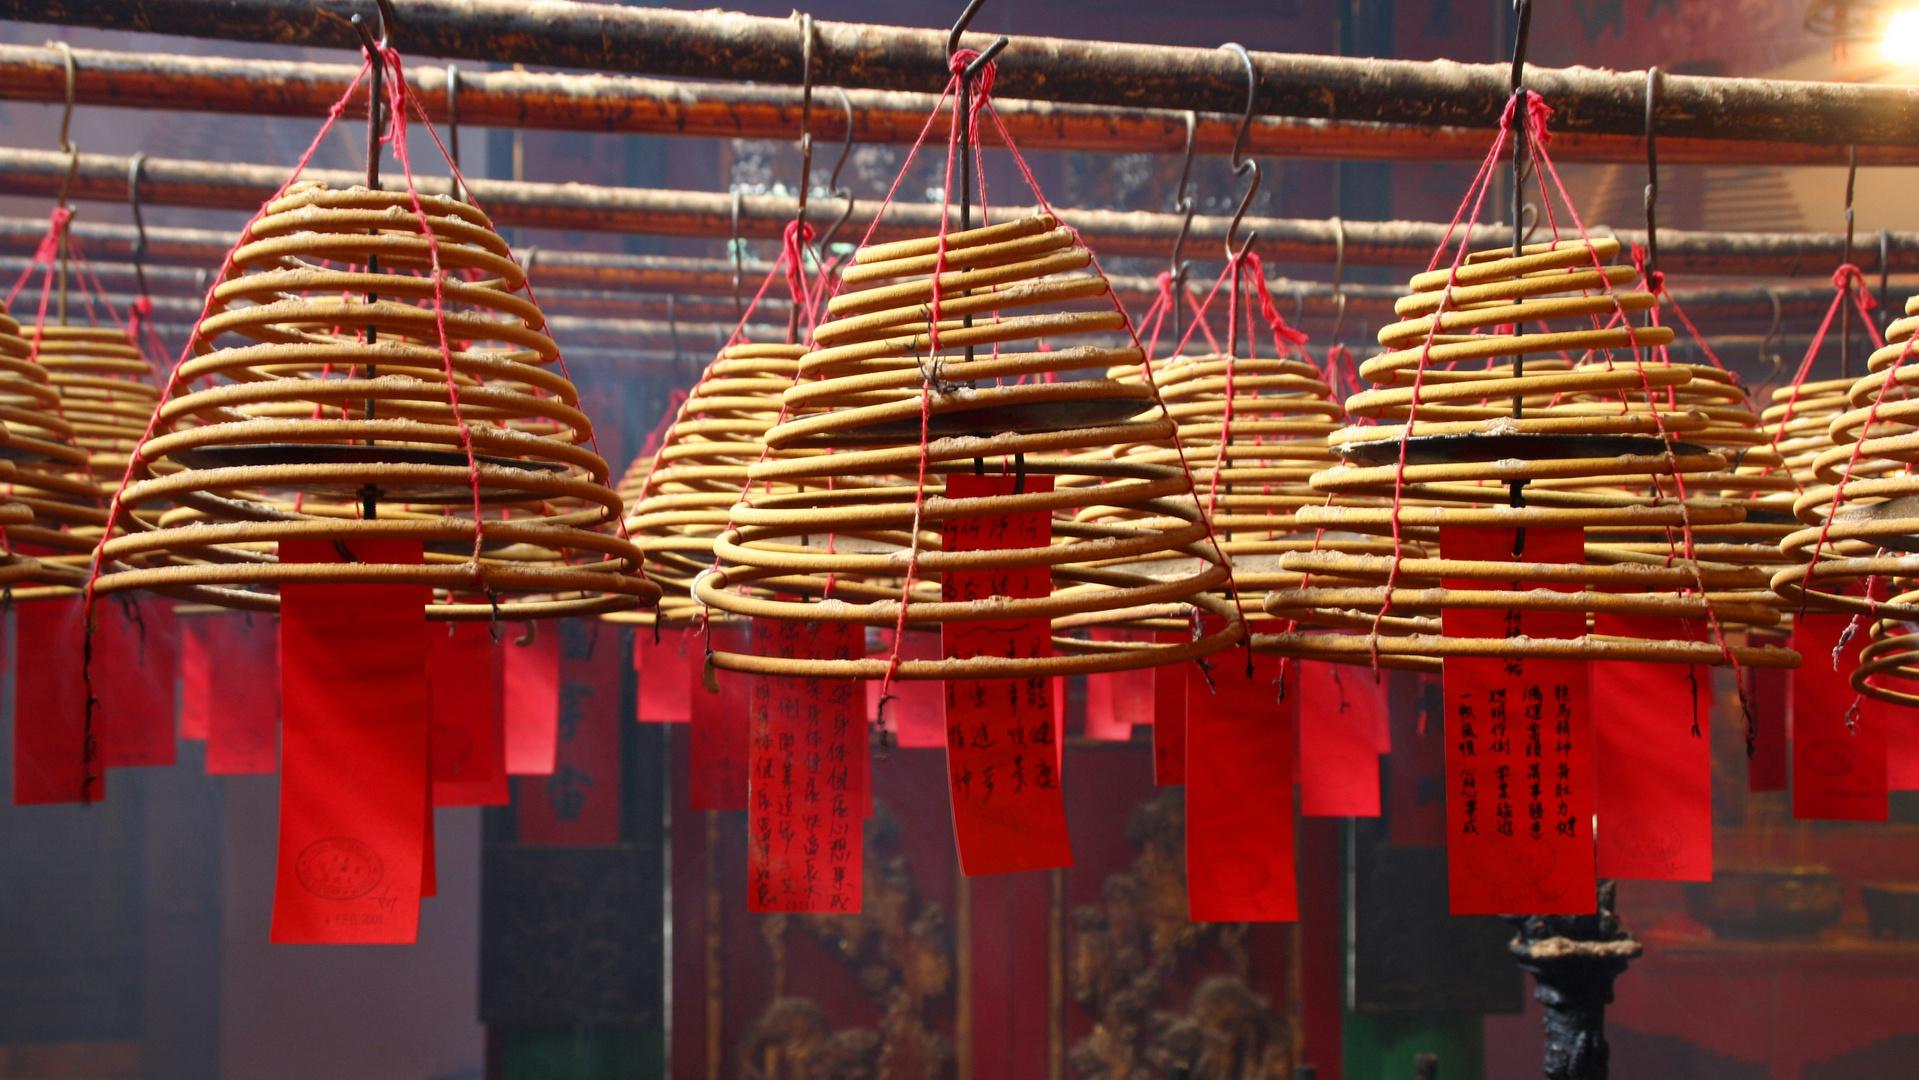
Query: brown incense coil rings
pixel 682 495
pixel 343 399
pixel 1597 441
pixel 834 537
pixel 106 392
pixel 1859 502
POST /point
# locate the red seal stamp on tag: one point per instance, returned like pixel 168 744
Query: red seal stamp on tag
pixel 339 868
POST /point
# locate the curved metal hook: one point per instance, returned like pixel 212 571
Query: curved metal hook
pixel 139 252
pixel 1186 206
pixel 1652 172
pixel 673 328
pixel 833 181
pixel 1339 276
pixel 453 129
pixel 1242 166
pixel 965 19
pixel 733 242
pixel 1765 344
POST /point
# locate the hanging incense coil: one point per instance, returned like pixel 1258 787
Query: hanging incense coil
pixel 1252 432
pixel 680 497
pixel 1858 551
pixel 1595 442
pixel 106 392
pixel 51 473
pixel 878 397
pixel 341 404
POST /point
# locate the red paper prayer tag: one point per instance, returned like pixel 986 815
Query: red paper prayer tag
pixel 1652 759
pixel 1118 701
pixel 1416 764
pixel 578 805
pixel 50 707
pixel 1169 716
pixel 136 649
pixel 1342 720
pixel 196 677
pixel 532 701
pixel 917 714
pixel 718 746
pixel 1769 695
pixel 243 714
pixel 1519 774
pixel 1239 784
pixel 804 845
pixel 1902 743
pixel 1838 770
pixel 666 679
pixel 354 811
pixel 469 720
pixel 1002 741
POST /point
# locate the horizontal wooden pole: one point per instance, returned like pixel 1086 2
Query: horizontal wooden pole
pixel 735 47
pixel 229 186
pixel 643 106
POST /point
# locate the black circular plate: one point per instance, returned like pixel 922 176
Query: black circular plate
pixel 1442 449
pixel 251 454
pixel 1028 418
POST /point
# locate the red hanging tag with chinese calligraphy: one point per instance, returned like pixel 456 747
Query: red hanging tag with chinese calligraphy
pixel 1169 716
pixel 1239 785
pixel 666 678
pixel 196 677
pixel 243 714
pixel 1342 717
pixel 50 707
pixel 1118 701
pixel 917 714
pixel 1769 695
pixel 136 654
pixel 718 747
pixel 1652 758
pixel 1838 753
pixel 804 849
pixel 353 789
pixel 578 805
pixel 1002 743
pixel 1519 773
pixel 532 701
pixel 469 716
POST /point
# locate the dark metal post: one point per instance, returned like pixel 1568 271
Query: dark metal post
pixel 1574 960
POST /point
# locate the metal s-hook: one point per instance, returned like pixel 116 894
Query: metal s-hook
pixel 1339 277
pixel 1885 273
pixel 66 119
pixel 1242 166
pixel 1652 174
pixel 673 329
pixel 139 251
pixel 1845 310
pixel 1765 344
pixel 833 180
pixel 806 163
pixel 1186 206
pixel 453 128
pixel 733 242
pixel 959 27
pixel 384 11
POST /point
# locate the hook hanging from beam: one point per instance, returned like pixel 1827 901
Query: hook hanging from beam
pixel 1243 166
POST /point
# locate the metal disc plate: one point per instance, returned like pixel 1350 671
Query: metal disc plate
pixel 257 454
pixel 1444 449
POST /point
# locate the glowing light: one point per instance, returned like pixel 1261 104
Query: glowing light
pixel 1899 42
